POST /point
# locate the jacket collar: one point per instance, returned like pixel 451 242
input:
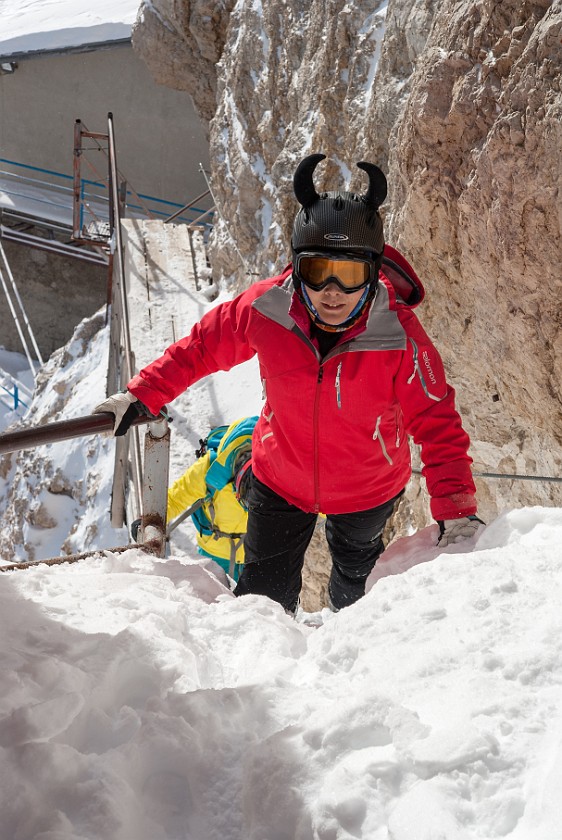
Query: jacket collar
pixel 378 329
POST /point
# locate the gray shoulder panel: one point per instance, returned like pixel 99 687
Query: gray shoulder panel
pixel 275 304
pixel 384 330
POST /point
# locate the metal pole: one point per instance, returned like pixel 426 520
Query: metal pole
pixel 128 355
pixel 183 516
pixel 186 207
pixel 155 487
pixel 76 205
pixel 195 223
pixel 117 511
pixel 14 313
pixel 21 306
pixel 90 424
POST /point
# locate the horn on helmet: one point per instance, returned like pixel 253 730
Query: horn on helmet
pixel 377 190
pixel 303 183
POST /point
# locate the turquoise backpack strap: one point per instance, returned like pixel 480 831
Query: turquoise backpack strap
pixel 211 442
pixel 238 434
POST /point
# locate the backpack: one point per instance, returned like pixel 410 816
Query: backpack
pixel 224 444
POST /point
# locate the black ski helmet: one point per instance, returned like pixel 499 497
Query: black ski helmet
pixel 338 221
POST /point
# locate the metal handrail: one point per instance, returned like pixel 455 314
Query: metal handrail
pixel 187 207
pixel 155 487
pixel 197 222
pixel 144 201
pixel 89 424
pixel 68 558
pixel 555 479
pixel 5 267
pixel 53 246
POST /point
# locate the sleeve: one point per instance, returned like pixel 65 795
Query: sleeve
pixel 430 416
pixel 219 341
pixel 188 488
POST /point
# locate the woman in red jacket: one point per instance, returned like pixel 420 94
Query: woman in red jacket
pixel 348 373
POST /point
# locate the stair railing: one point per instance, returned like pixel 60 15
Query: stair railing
pixel 122 363
pixel 10 288
pixel 156 469
pixel 14 391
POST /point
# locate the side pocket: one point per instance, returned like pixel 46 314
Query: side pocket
pixel 378 436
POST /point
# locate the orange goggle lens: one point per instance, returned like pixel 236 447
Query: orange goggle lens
pixel 317 271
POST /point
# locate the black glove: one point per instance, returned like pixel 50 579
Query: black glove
pixel 135 529
pixel 125 407
pixel 456 530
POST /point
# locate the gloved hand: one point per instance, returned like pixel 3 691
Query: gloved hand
pixel 125 407
pixel 456 530
pixel 135 525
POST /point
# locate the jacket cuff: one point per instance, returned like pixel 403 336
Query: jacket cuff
pixel 148 396
pixel 454 507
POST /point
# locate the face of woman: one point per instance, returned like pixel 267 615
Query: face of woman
pixel 334 306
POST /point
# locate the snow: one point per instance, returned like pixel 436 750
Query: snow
pixel 37 25
pixel 141 700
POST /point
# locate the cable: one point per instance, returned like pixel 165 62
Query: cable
pixel 510 476
pixel 236 248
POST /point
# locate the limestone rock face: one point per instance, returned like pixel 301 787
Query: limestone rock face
pixel 477 164
pixel 181 42
pixel 294 78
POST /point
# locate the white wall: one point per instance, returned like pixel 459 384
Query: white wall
pixel 160 139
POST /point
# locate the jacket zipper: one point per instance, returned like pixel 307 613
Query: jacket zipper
pixel 338 392
pixel 417 369
pixel 377 436
pixel 316 458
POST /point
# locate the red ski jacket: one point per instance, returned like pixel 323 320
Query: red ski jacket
pixel 333 432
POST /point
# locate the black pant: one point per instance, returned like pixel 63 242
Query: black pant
pixel 277 538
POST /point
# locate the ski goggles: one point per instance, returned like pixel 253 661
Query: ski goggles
pixel 348 272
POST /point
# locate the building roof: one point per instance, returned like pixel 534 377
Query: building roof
pixel 31 27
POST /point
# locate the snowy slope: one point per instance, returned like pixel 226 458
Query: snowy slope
pixel 141 700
